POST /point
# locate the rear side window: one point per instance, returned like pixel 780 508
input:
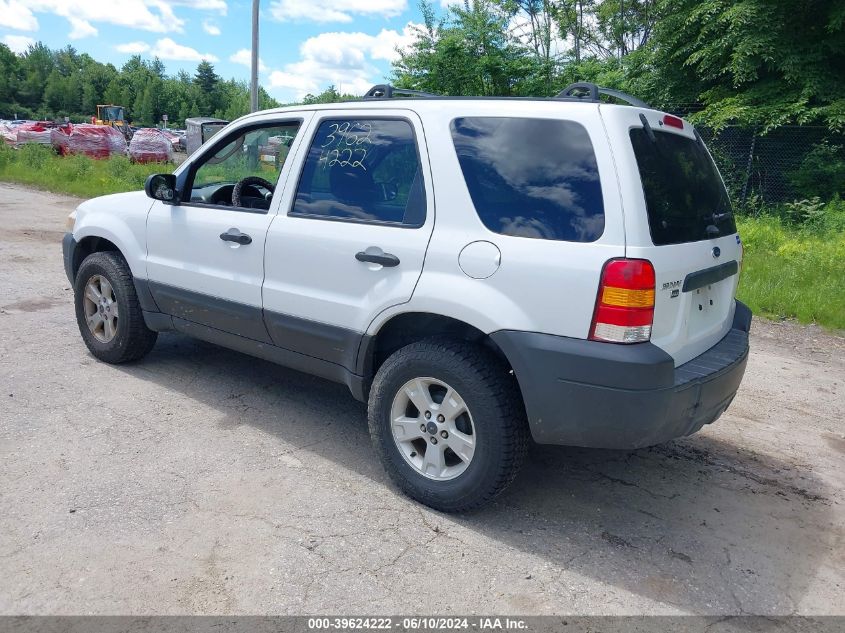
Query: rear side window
pixel 533 178
pixel 684 194
pixel 363 171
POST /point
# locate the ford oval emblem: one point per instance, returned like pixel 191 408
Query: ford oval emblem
pixel 716 251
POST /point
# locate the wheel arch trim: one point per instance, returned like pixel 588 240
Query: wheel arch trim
pixel 434 324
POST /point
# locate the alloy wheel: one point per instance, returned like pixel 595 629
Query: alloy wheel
pixel 433 428
pixel 101 310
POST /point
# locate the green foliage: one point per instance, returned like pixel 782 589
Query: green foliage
pixel 78 166
pixel 822 172
pixel 7 155
pixel 46 84
pixel 75 175
pixel 812 215
pixel 329 95
pixel 35 156
pixel 765 63
pixel 795 273
pixel 756 62
pixel 467 53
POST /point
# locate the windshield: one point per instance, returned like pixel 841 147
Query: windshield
pixel 684 194
pixel 113 113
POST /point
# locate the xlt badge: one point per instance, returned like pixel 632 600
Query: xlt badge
pixel 674 286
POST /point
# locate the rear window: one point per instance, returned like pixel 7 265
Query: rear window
pixel 533 178
pixel 684 194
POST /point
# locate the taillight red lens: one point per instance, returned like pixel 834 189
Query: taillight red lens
pixel 625 302
pixel 673 121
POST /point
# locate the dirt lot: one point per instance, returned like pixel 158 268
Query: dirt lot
pixel 204 481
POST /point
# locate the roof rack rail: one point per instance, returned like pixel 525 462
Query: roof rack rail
pixel 385 91
pixel 591 92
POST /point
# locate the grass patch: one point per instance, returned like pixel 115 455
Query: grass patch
pixel 795 271
pixel 794 263
pixel 39 166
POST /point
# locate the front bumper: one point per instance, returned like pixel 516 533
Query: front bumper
pixel 69 253
pixel 586 393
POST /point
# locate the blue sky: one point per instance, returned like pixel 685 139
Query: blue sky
pixel 305 44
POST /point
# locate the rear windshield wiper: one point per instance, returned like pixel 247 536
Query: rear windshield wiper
pixel 713 219
pixel 647 127
pixel 718 217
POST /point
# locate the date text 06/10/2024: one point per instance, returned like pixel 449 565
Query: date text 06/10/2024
pixel 417 624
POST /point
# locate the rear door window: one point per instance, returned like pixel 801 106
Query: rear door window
pixel 684 193
pixel 535 178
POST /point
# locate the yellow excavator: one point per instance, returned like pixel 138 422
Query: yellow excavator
pixel 113 116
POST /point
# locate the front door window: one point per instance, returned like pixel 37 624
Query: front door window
pixel 244 171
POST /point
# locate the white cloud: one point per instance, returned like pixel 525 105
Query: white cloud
pixel 168 49
pixel 15 15
pixel 210 28
pixel 81 28
pixel 133 48
pixel 147 15
pixel 207 5
pixel 157 16
pixel 18 43
pixel 334 10
pixel 344 59
pixel 244 58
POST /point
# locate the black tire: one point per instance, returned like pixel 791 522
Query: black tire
pixel 132 339
pixel 494 401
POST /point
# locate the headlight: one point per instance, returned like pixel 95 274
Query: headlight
pixel 70 222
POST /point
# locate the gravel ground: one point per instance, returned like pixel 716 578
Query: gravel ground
pixel 204 481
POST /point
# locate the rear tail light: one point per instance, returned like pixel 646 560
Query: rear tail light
pixel 625 303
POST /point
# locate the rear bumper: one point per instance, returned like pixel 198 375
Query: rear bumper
pixel 585 393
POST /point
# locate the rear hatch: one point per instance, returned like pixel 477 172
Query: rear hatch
pixel 679 217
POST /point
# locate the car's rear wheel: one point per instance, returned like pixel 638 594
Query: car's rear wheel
pixel 107 310
pixel 447 421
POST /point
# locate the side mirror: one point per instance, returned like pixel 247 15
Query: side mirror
pixel 162 187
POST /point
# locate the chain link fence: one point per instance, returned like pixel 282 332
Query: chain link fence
pixel 786 164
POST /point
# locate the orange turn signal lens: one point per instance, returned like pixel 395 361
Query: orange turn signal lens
pixel 627 298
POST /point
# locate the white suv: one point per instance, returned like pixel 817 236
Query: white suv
pixel 480 271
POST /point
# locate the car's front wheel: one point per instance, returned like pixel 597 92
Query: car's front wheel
pixel 447 421
pixel 107 310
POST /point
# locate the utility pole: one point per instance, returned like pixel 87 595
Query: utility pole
pixel 253 89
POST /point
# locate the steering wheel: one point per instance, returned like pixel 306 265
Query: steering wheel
pixel 250 181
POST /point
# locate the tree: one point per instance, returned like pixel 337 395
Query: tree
pixel 143 111
pixel 622 27
pixel 531 22
pixel 206 78
pixel 572 18
pixel 467 53
pixel 758 62
pixel 207 81
pixel 36 65
pixel 42 83
pixel 10 75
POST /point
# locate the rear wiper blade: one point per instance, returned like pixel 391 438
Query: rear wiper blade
pixel 713 219
pixel 647 127
pixel 718 217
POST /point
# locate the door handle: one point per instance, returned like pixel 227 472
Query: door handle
pixel 377 256
pixel 234 235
